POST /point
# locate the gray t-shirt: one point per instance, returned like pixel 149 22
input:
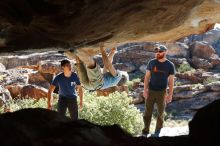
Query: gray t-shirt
pixel 160 72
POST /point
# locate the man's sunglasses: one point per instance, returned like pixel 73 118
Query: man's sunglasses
pixel 67 65
pixel 159 51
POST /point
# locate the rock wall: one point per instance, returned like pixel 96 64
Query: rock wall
pixel 30 24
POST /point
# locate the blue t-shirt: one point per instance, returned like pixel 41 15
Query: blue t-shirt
pixel 160 72
pixel 67 85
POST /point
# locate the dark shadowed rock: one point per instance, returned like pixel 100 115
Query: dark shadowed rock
pixel 204 128
pixel 41 127
pixel 27 24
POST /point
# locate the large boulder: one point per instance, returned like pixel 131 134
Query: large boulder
pixel 204 127
pixel 201 63
pixel 27 91
pixel 211 37
pixel 40 79
pixel 44 128
pixel 201 50
pixel 178 50
pixel 60 24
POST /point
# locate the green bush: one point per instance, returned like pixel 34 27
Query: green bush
pixel 184 67
pixel 18 104
pixel 178 83
pixel 131 83
pixel 114 109
pixel 210 79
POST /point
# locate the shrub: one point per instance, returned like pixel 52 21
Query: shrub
pixel 210 79
pixel 131 83
pixel 18 104
pixel 114 109
pixel 177 83
pixel 184 67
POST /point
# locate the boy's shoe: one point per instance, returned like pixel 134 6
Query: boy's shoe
pixel 145 134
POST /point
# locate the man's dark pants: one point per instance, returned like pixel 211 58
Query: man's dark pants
pixel 158 98
pixel 71 104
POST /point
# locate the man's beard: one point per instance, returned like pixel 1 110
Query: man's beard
pixel 160 56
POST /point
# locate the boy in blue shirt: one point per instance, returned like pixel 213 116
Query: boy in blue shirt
pixel 68 82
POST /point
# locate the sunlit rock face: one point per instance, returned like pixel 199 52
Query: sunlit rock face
pixel 31 24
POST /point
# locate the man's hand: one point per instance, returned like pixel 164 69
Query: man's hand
pixel 49 106
pixel 145 94
pixel 80 92
pixel 168 98
pixel 50 97
pixel 81 106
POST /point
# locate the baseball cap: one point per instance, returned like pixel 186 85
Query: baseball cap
pixel 160 48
